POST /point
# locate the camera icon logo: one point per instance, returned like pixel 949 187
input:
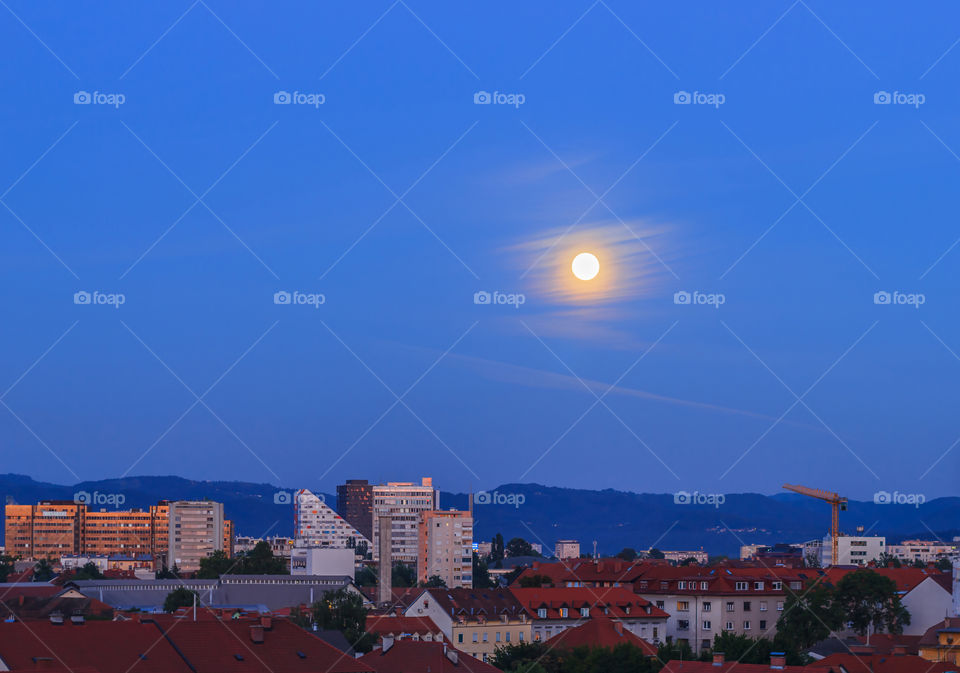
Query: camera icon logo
pixel 482 498
pixel 681 297
pixel 81 98
pixel 882 498
pixel 681 498
pixel 482 98
pixel 881 297
pixel 82 497
pixel 282 498
pixel 481 297
pixel 681 98
pixel 882 98
pixel 81 297
pixel 281 98
pixel 281 297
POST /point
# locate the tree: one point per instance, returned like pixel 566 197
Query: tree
pixel 43 571
pixel 809 617
pixel 689 561
pixel 434 581
pixel 811 560
pixel 481 574
pixel 886 560
pixel 215 565
pixel 655 553
pixel 628 554
pixel 519 547
pixel 747 650
pixel 179 598
pixel 343 611
pixel 261 561
pixel 166 573
pixel 6 567
pixel 361 549
pixel 89 571
pixel 871 601
pixel 403 575
pixel 943 565
pixel 366 577
pixel 675 650
pixel 496 548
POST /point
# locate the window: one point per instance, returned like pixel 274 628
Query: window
pixel 758 586
pixel 796 585
pixel 683 624
pixel 729 606
pixel 484 636
pixel 746 626
pixel 707 606
pixel 778 586
pixel 498 636
pixel 729 626
pixel 779 606
pixel 746 606
pixel 474 636
pixel 542 613
pixel 519 636
pixel 742 586
pixel 683 606
pixel 459 637
pixel 763 624
pixel 585 612
pixel 563 612
pixel 660 605
pixel 681 584
pixel 704 585
pixel 706 625
pixel 763 606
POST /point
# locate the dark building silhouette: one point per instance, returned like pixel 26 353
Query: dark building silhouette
pixel 355 504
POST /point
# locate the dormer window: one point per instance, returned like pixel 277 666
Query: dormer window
pixel 742 586
pixel 584 612
pixel 542 613
pixel 563 613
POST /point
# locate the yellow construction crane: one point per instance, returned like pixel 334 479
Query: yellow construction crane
pixel 837 503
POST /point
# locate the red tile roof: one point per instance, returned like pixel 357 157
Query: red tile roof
pixel 408 656
pixel 905 578
pixel 883 643
pixel 470 604
pixel 614 601
pixel 390 624
pixel 930 637
pixel 884 663
pixel 677 666
pixel 600 631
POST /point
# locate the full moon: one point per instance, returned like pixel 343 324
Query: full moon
pixel 585 266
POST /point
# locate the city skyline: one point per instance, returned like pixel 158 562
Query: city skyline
pixel 256 244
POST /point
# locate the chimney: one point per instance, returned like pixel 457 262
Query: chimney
pixel 256 633
pixel 266 621
pixel 718 658
pixel 778 660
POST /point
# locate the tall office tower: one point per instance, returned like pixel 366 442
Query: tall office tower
pixel 385 554
pixel 319 526
pixel 355 504
pixel 446 548
pixel 403 502
pixel 46 530
pixel 195 532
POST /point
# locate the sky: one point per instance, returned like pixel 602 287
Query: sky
pixel 257 241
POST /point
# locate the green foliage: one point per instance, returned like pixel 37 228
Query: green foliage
pixel 628 554
pixel 6 567
pixel 362 550
pixel 944 565
pixel 655 553
pixel 43 571
pixel 520 547
pixel 89 571
pixel 539 657
pixel 179 598
pixel 809 616
pixel 869 601
pixel 403 575
pixel 166 573
pixel 675 650
pixel 343 611
pixel 886 560
pixel 533 581
pixel 434 581
pixel 366 577
pixel 749 650
pixel 481 574
pixel 258 561
pixel 496 548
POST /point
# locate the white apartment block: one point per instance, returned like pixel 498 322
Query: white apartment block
pixel 925 551
pixel 195 532
pixel 319 526
pixel 403 502
pixel 852 550
pixel 446 548
pixel 700 556
pixel 567 549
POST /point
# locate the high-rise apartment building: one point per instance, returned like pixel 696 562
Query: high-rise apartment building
pixel 446 547
pixel 319 526
pixel 195 532
pixel 355 504
pixel 403 502
pixel 45 530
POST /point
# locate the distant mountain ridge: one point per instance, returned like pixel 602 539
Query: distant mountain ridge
pixel 544 514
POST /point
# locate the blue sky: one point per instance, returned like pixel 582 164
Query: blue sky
pixel 793 201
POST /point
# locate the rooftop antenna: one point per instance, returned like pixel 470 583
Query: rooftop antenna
pixel 595 550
